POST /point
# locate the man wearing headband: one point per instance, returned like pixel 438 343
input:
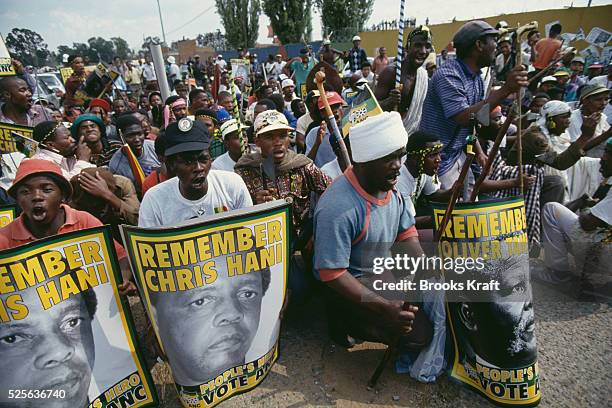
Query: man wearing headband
pixel 57 145
pixel 587 236
pixel 414 80
pixel 419 174
pixel 593 100
pixel 457 92
pixel 360 209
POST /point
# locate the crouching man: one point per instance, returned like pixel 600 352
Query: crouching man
pixel 360 209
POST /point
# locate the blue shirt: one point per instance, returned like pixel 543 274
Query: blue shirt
pixel 325 153
pixel 452 89
pixel 148 161
pixel 349 224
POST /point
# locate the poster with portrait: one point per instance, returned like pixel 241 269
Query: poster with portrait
pixel 66 336
pixel 7 214
pixel 17 138
pixel 491 320
pixel 6 65
pixel 241 68
pixel 598 36
pixel 213 289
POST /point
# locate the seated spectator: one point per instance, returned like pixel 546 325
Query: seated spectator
pixel 110 198
pixel 101 108
pixel 196 191
pixel 40 189
pixel 92 129
pixel 130 129
pixel 57 145
pixel 279 173
pixel 359 208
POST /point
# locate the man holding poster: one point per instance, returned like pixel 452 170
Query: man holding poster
pixel 214 290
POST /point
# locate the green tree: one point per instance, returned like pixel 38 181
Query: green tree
pixel 240 19
pixel 122 49
pixel 27 46
pixel 290 19
pixel 101 49
pixel 344 18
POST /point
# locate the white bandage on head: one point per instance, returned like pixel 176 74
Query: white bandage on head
pixel 550 109
pixel 377 136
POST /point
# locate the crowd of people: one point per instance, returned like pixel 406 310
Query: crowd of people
pixel 215 147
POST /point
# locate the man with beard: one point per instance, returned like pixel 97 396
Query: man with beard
pixel 49 349
pixel 130 128
pixel 17 107
pixel 414 79
pixel 223 322
pixel 196 191
pixel 457 93
pixel 57 145
pixel 497 328
pixel 360 209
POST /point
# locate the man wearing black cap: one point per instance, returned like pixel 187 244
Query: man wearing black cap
pixel 457 92
pixel 196 191
pixel 130 128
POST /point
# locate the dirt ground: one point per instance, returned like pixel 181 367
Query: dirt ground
pixel 574 353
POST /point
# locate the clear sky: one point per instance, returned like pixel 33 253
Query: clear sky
pixel 65 22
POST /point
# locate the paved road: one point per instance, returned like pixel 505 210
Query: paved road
pixel 575 356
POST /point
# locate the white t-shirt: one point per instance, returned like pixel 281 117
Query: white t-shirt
pixel 164 205
pixel 332 169
pixel 574 131
pixel 223 162
pixel 221 63
pixel 406 185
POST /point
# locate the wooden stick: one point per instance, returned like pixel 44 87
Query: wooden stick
pixel 344 160
pixel 491 156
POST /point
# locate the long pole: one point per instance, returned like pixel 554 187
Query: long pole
pixel 400 46
pixel 161 22
pixel 160 70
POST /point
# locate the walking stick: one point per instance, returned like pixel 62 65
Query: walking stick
pixel 344 160
pixel 491 156
pixel 400 51
pixel 519 95
pixel 459 184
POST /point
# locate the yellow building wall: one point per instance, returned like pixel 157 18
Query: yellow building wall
pixel 571 19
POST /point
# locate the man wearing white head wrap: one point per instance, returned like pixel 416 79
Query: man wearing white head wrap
pixel 582 175
pixel 361 209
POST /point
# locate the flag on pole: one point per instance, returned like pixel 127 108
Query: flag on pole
pixel 139 175
pixel 363 105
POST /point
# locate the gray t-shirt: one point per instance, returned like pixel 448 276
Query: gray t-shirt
pixel 164 205
pixel 148 161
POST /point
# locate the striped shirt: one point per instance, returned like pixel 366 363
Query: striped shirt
pixel 453 89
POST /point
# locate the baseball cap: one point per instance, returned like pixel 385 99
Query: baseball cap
pixel 472 31
pixel 270 120
pixel 548 78
pixel 578 59
pixel 561 72
pixel 39 167
pixel 332 99
pixel 101 103
pixel 326 42
pixel 229 126
pixel 186 135
pixel 287 82
pixel 596 64
pixel 356 38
